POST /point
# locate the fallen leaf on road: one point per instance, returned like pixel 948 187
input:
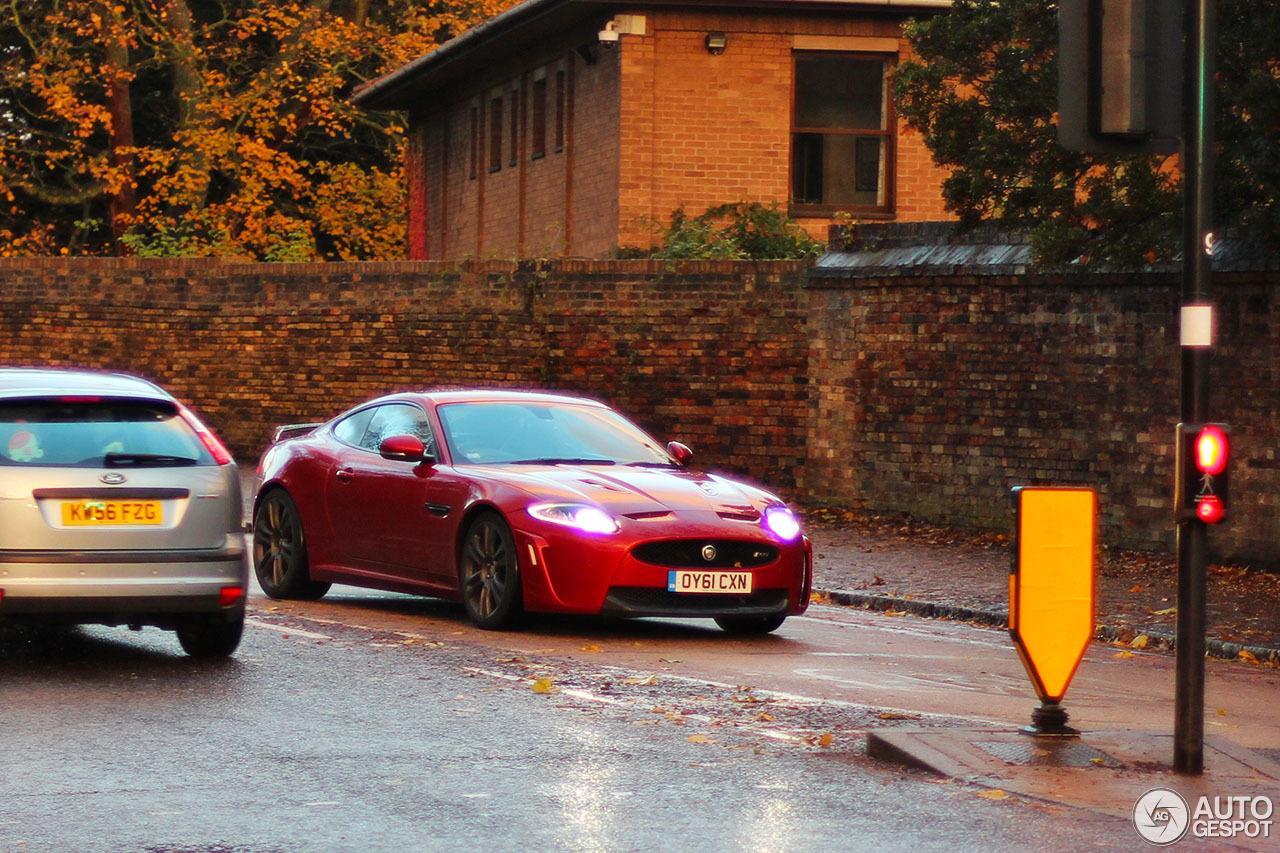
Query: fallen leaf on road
pixel 1247 656
pixel 1140 641
pixel 698 739
pixel 765 717
pixel 1124 654
pixel 545 685
pixel 1168 611
pixel 890 715
pixel 995 794
pixel 652 679
pixel 591 648
pixel 1135 588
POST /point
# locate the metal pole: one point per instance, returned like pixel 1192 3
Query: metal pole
pixel 1197 244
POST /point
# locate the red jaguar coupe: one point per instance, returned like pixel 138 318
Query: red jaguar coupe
pixel 520 502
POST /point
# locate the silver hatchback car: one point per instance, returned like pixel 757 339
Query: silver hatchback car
pixel 117 507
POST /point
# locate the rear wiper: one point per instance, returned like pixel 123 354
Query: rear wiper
pixel 146 460
pixel 564 460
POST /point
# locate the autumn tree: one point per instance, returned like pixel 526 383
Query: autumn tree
pixel 983 92
pixel 207 127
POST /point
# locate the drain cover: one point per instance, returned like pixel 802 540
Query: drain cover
pixel 1065 753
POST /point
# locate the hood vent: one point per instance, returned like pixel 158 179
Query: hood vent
pixel 647 516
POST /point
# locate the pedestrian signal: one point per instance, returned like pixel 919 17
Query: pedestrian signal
pixel 1201 476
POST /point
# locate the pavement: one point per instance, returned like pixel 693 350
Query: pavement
pixel 902 567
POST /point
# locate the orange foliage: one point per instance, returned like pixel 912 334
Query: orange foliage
pixel 186 127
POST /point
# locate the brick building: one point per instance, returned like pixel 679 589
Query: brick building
pixel 574 127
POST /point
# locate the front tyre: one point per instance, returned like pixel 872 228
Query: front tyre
pixel 211 635
pixel 489 574
pixel 280 550
pixel 750 625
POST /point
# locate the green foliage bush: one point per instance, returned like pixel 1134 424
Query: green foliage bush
pixel 738 231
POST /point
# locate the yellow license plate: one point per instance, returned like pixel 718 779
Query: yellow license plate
pixel 725 582
pixel 105 513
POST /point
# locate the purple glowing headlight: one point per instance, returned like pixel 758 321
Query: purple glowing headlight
pixel 782 522
pixel 584 517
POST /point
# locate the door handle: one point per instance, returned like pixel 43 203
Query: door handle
pixel 346 475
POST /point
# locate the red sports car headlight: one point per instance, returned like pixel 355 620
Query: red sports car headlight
pixel 584 517
pixel 782 522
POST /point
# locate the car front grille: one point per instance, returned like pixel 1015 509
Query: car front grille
pixel 648 601
pixel 694 553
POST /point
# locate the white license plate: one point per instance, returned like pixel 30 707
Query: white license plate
pixel 726 582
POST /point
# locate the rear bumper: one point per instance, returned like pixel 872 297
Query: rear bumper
pixel 120 587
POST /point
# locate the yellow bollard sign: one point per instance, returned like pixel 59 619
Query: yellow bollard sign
pixel 1051 584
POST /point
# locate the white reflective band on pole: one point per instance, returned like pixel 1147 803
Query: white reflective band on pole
pixel 1197 325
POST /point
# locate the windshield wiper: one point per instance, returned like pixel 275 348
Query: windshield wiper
pixel 652 465
pixel 564 460
pixel 146 460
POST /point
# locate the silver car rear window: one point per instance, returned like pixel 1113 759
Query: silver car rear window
pixel 97 433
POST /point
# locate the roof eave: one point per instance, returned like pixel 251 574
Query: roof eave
pixel 395 89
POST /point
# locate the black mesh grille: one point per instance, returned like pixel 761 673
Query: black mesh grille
pixel 644 601
pixel 692 554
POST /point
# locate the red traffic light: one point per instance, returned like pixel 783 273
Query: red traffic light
pixel 1210 509
pixel 1211 450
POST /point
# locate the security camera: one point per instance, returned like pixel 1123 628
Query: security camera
pixel 609 36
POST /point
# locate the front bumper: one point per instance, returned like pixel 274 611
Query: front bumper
pixel 570 573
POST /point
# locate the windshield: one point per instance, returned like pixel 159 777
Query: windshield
pixel 97 434
pixel 485 433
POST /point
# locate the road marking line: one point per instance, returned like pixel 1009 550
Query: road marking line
pixel 298 632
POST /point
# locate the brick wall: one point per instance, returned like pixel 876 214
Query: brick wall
pixel 948 391
pixel 251 346
pixel 929 394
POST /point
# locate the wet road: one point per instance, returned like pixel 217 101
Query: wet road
pixel 378 722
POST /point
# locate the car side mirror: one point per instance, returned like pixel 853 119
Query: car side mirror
pixel 404 448
pixel 681 452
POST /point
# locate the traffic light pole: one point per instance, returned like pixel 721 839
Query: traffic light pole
pixel 1197 247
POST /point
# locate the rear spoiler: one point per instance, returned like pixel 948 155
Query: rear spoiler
pixel 291 431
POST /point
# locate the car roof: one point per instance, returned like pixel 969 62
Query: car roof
pixel 492 395
pixel 39 382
